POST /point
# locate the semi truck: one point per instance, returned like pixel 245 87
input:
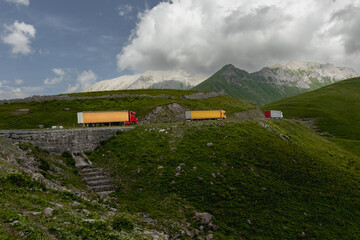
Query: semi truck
pixel 273 114
pixel 106 118
pixel 205 115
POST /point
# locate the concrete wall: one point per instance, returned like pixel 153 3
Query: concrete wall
pixel 57 141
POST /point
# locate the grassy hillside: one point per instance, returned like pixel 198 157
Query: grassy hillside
pixel 63 112
pixel 241 84
pixel 334 108
pixel 259 180
pixel 42 197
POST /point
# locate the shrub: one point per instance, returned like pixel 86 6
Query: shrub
pixel 122 223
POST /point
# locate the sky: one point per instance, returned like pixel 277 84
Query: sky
pixel 60 46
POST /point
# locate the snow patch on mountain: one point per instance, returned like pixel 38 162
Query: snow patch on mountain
pixel 307 75
pixel 178 79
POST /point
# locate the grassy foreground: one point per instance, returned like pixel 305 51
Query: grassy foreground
pixel 259 179
pixel 63 112
pixel 30 208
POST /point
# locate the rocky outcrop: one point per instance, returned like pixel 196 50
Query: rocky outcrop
pixel 173 112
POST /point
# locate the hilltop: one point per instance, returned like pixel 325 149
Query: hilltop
pixel 274 83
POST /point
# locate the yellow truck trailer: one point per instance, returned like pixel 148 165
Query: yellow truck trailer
pixel 205 115
pixel 106 118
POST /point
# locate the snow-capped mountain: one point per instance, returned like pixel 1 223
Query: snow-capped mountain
pixel 306 74
pixel 178 79
pixel 276 82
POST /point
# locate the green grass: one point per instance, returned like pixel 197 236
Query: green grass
pixel 22 201
pixel 335 108
pixel 63 113
pixel 280 181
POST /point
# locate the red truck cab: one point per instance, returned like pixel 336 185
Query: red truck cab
pixel 132 118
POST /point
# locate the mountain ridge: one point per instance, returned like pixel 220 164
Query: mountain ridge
pixel 276 82
pixel 177 79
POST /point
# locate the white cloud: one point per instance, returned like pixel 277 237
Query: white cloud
pixel 19 2
pixel 19 36
pixel 60 75
pixel 9 92
pixel 19 81
pixel 124 10
pixel 203 35
pixel 83 81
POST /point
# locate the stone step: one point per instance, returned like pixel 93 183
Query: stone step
pixel 92 174
pixel 105 192
pixel 85 166
pixel 102 188
pixel 99 182
pixel 95 178
pixel 89 170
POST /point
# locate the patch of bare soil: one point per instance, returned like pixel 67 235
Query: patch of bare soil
pixel 20 111
pixel 249 114
pixel 311 124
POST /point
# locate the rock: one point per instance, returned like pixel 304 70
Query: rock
pixel 37 177
pixel 201 228
pixel 110 214
pixel 48 211
pixel 209 237
pixel 88 220
pixel 160 167
pixel 195 168
pixel 213 175
pixel 204 218
pixel 178 169
pixel 86 212
pixel 75 204
pixel 209 144
pixel 182 164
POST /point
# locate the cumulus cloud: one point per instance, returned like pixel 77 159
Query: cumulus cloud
pixel 59 77
pixel 19 2
pixel 203 35
pixel 19 36
pixel 83 81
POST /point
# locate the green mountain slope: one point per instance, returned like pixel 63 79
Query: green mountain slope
pixel 274 83
pixel 241 84
pixel 258 179
pixel 61 110
pixel 335 109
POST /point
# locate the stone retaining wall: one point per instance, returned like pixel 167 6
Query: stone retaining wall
pixel 62 140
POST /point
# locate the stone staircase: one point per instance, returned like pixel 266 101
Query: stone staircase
pixel 94 178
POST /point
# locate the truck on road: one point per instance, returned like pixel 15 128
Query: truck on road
pixel 106 118
pixel 273 114
pixel 205 115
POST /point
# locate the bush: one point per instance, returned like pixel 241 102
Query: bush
pixel 68 159
pixel 44 165
pixel 122 223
